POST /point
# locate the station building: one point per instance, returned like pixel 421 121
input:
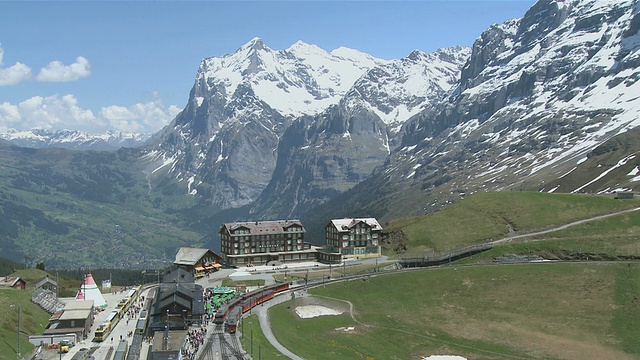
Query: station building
pixel 178 302
pixel 75 318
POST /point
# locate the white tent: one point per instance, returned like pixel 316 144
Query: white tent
pixel 89 291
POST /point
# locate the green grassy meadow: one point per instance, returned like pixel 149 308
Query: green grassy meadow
pixel 490 216
pixel 481 311
pixel 526 311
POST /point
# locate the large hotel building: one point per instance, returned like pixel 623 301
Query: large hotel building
pixel 261 242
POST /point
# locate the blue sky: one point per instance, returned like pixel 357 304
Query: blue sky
pixel 129 65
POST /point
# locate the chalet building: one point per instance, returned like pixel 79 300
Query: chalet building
pixel 352 239
pixel 47 284
pixel 12 282
pixel 198 261
pixel 262 242
pixel 179 301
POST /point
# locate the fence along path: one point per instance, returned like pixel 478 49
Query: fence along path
pixel 448 256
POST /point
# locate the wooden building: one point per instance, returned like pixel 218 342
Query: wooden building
pixel 198 261
pixel 624 194
pixel 12 282
pixel 264 242
pixel 353 238
pixel 47 284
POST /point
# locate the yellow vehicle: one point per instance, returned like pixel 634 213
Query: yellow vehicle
pixel 64 346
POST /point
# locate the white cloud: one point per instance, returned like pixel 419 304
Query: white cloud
pixel 56 71
pixel 9 116
pixel 54 112
pixel 63 112
pixel 13 74
pixel 139 117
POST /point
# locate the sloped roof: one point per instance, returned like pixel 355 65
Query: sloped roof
pixel 44 281
pixel 190 256
pixel 10 281
pixel 348 223
pixel 264 227
pixel 178 275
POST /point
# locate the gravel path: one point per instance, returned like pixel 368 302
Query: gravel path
pixel 515 237
pixel 265 325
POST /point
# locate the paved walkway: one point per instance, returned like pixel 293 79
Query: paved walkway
pixel 265 325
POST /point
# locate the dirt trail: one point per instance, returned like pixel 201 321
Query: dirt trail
pixel 509 239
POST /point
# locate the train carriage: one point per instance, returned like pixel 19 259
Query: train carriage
pixel 141 325
pixel 121 351
pixel 103 331
pixel 230 313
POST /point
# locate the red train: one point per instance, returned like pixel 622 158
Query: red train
pixel 231 312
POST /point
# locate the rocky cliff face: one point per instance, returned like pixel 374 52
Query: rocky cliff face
pixel 320 157
pixel 536 97
pixel 349 107
pixel 294 129
pixel 223 145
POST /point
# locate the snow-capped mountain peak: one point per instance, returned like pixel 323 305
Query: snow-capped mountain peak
pixel 402 88
pixel 301 80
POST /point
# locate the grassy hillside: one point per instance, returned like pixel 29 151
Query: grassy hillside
pixel 33 321
pixel 542 311
pixel 490 216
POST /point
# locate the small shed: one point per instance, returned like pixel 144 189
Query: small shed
pixel 624 195
pixel 13 282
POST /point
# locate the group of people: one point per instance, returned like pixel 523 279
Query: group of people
pixel 134 310
pixel 195 339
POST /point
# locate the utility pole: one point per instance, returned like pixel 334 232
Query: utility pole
pixel 19 321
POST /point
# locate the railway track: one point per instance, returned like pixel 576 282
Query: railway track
pixel 219 347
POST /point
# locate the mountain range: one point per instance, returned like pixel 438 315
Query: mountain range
pixel 73 139
pixel 548 102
